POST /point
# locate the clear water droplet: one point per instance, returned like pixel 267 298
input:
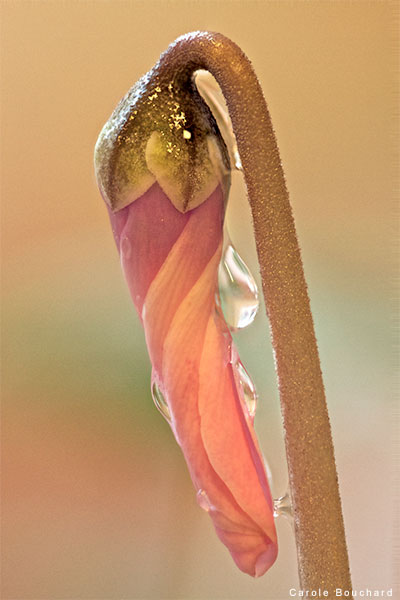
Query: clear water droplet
pixel 211 93
pixel 238 291
pixel 283 507
pixel 248 389
pixel 203 500
pixel 160 401
pixel 126 247
pixel 268 471
pixel 236 158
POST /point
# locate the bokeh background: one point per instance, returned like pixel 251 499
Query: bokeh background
pixel 97 502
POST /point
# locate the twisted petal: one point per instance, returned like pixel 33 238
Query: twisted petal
pixel 170 261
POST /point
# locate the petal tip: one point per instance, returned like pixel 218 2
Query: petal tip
pixel 265 561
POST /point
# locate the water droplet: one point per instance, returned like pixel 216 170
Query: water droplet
pixel 211 92
pixel 236 158
pixel 237 290
pixel 203 500
pixel 160 401
pixel 267 470
pixel 283 507
pixel 248 389
pixel 126 248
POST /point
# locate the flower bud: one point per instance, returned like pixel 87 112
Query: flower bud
pixel 161 131
pixel 163 170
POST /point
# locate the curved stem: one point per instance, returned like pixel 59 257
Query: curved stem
pixel 320 537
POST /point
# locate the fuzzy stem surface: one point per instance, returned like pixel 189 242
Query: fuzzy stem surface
pixel 319 529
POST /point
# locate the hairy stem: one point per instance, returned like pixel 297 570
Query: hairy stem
pixel 319 529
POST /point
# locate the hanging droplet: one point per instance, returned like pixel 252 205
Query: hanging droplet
pixel 237 290
pixel 248 389
pixel 203 500
pixel 160 402
pixel 283 507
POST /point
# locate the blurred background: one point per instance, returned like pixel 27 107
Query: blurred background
pixel 97 502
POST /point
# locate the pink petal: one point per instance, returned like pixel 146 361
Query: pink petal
pixel 170 261
pixel 145 232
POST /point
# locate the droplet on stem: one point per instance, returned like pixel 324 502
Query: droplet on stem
pixel 283 507
pixel 211 93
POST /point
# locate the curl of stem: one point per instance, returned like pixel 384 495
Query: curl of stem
pixel 319 530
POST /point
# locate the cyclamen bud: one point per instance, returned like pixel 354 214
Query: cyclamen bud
pixel 161 131
pixel 163 170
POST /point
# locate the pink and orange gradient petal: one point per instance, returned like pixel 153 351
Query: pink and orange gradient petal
pixel 170 261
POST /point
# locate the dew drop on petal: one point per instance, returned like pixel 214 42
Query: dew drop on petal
pixel 247 388
pixel 203 500
pixel 160 401
pixel 125 248
pixel 237 290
